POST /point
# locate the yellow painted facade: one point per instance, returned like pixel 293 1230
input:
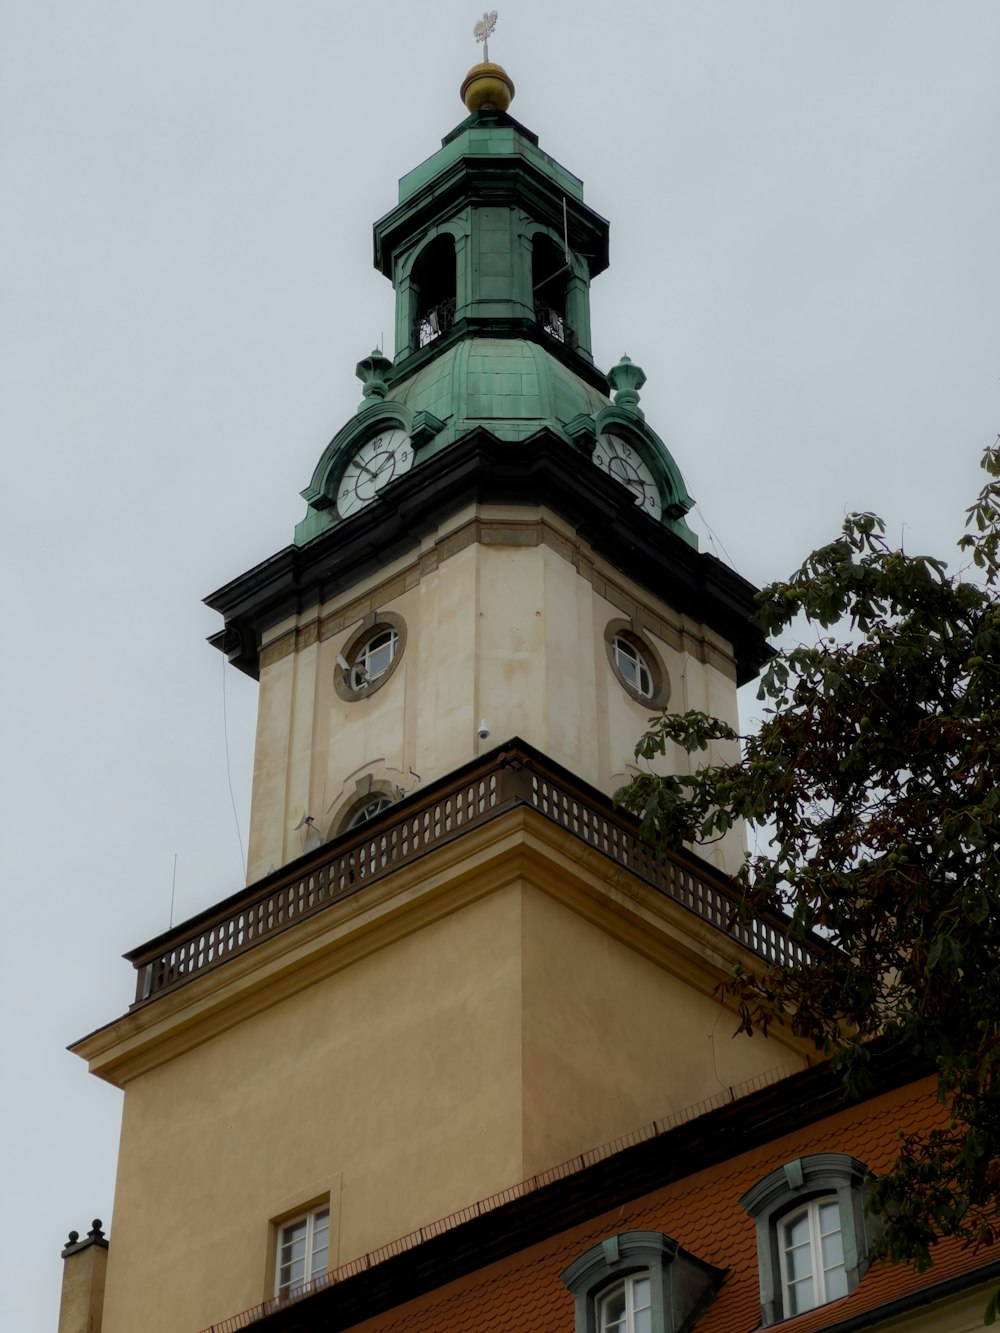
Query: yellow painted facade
pixel 81 1307
pixel 486 1013
pixel 505 613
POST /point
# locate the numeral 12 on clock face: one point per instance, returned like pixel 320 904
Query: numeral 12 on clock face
pixel 371 467
pixel 621 460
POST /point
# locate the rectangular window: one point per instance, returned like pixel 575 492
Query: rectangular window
pixel 627 1307
pixel 303 1249
pixel 812 1257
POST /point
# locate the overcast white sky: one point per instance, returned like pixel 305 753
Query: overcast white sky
pixel 805 204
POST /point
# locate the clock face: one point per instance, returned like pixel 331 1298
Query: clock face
pixel 621 460
pixel 373 466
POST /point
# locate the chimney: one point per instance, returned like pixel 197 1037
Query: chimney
pixel 84 1265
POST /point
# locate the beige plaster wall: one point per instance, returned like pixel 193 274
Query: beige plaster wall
pixel 613 1040
pixel 506 627
pixel 452 1062
pixel 399 1074
pixel 961 1313
pixel 81 1305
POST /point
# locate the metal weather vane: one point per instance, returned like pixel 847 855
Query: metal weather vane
pixel 484 29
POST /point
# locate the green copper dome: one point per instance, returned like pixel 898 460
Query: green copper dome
pixel 512 387
pixel 509 385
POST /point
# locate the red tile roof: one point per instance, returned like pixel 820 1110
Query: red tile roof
pixel 523 1293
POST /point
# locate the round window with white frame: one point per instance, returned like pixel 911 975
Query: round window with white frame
pixel 369 658
pixel 636 664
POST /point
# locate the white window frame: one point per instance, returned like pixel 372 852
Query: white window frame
pixel 626 651
pixel 317 1221
pixel 817 1271
pixel 369 809
pixel 629 1284
pixel 361 674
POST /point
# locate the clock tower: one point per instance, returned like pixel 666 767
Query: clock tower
pixel 455 965
pixel 497 522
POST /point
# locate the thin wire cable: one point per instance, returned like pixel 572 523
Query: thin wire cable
pixel 229 769
pixel 173 891
pixel 712 537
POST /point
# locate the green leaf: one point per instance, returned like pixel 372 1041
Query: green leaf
pixel 873 779
pixel 993 1309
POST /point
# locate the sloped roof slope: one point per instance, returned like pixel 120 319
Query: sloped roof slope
pixel 523 1293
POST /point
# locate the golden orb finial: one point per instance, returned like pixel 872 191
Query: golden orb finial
pixel 487 84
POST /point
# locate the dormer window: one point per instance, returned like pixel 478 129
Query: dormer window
pixel 639 1281
pixel 550 273
pixel 434 287
pixel 814 1242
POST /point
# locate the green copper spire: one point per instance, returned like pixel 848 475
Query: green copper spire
pixel 492 235
pixel 491 251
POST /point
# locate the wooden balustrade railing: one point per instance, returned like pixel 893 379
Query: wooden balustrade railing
pixel 516 775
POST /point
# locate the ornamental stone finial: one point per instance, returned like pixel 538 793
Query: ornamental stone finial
pixel 95 1236
pixel 627 379
pixel 372 370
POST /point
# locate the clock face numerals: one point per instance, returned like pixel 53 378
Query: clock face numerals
pixel 621 460
pixel 375 464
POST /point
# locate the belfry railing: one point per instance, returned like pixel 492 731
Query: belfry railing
pixel 514 776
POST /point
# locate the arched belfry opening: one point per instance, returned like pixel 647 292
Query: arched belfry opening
pixel 433 285
pixel 550 275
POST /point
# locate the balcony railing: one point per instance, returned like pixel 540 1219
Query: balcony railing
pixel 515 776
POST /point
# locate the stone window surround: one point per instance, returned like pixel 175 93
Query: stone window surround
pixel 625 629
pixel 367 790
pixel 783 1191
pixel 371 625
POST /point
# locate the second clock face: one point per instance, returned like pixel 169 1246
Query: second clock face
pixel 621 460
pixel 372 467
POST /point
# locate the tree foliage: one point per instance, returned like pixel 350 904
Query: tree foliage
pixel 875 777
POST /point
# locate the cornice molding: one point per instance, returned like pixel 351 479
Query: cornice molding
pixel 682 633
pixel 519 847
pixel 494 179
pixel 541 471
